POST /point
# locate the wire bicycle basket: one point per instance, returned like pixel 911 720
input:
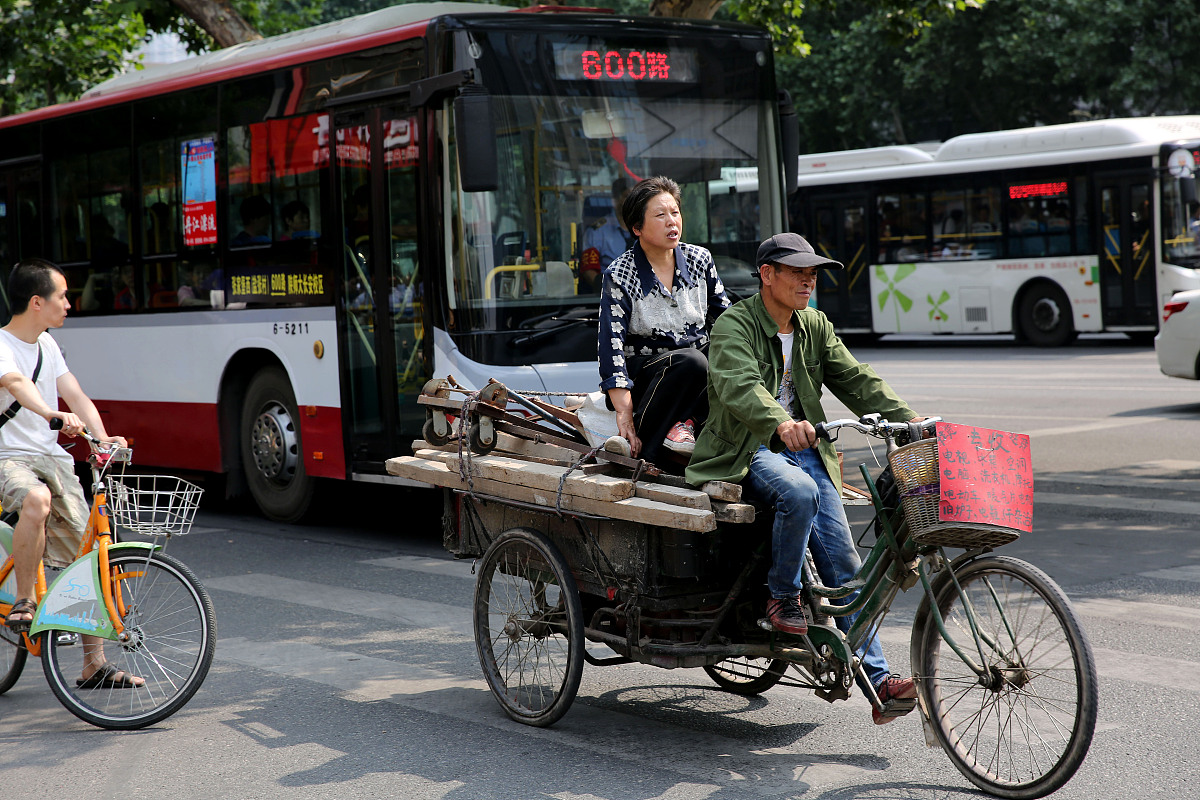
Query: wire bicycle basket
pixel 153 505
pixel 915 469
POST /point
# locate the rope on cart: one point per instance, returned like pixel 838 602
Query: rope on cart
pixel 464 462
pixel 562 480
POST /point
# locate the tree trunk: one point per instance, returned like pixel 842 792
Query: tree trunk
pixel 685 9
pixel 219 20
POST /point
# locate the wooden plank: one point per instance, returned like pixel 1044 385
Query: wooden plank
pixel 720 490
pixel 522 448
pixel 633 509
pixel 733 512
pixel 530 474
pixel 854 497
pixel 687 498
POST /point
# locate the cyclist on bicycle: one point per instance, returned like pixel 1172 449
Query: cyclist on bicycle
pixel 769 356
pixel 36 475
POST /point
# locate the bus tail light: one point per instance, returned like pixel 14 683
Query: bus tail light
pixel 1173 307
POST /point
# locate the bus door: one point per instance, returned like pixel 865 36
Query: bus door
pixel 376 165
pixel 839 231
pixel 1127 268
pixel 19 207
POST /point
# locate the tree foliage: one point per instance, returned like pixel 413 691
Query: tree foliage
pixel 1012 63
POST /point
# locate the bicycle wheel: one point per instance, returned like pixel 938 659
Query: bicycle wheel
pixel 1024 733
pixel 12 658
pixel 747 676
pixel 529 627
pixel 173 633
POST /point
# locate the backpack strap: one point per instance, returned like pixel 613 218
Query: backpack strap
pixel 12 410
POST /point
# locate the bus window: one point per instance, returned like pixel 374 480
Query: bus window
pixel 901 225
pixel 1039 219
pixel 983 229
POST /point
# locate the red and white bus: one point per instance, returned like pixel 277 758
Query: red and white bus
pixel 279 243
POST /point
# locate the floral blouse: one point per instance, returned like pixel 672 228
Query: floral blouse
pixel 639 317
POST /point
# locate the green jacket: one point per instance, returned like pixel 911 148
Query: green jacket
pixel 745 367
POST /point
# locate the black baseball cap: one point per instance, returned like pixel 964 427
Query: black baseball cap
pixel 791 249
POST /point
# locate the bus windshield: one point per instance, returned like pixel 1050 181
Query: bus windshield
pixel 1181 207
pixel 580 118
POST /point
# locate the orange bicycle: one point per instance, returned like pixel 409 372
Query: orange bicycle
pixel 129 594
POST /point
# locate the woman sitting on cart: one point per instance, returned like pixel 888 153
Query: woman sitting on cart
pixel 658 301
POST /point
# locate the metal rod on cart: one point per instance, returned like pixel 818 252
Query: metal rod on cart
pixel 543 415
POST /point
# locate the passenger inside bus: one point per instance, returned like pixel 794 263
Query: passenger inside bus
pixel 603 240
pixel 255 212
pixel 297 222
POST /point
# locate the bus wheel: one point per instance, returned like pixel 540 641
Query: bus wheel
pixel 1044 317
pixel 271 453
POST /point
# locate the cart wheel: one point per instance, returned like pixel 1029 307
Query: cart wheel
pixel 529 627
pixel 475 440
pixel 430 434
pixel 1025 733
pixel 747 676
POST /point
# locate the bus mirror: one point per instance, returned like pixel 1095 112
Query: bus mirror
pixel 476 140
pixel 789 135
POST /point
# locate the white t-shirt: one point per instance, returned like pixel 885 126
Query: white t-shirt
pixel 787 391
pixel 27 433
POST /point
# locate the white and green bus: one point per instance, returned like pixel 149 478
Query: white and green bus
pixel 1044 232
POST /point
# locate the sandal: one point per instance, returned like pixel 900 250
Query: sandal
pixel 108 677
pixel 22 606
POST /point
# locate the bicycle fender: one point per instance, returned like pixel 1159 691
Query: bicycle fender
pixel 74 601
pixel 8 590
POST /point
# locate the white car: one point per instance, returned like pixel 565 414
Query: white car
pixel 1178 342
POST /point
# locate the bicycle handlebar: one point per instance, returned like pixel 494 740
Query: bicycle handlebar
pixel 108 450
pixel 874 425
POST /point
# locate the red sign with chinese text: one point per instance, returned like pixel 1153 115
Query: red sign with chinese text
pixel 986 476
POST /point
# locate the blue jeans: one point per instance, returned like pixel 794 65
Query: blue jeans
pixel 808 512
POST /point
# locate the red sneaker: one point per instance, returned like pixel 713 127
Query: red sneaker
pixel 898 695
pixel 681 438
pixel 787 617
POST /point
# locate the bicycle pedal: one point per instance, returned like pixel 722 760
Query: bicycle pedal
pixel 66 639
pixel 898 707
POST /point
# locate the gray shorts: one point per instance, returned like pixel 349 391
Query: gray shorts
pixel 69 509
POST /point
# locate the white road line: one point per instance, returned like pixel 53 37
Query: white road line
pixel 1187 572
pixel 1119 502
pixel 451 567
pixel 375 605
pixel 1154 614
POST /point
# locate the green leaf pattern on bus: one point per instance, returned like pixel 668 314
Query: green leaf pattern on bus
pixel 902 300
pixel 936 310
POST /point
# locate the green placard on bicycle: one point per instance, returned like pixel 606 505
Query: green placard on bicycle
pixel 74 602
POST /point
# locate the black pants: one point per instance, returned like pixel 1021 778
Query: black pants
pixel 667 388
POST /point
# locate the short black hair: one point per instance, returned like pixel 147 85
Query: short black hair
pixel 31 277
pixel 293 208
pixel 633 210
pixel 254 207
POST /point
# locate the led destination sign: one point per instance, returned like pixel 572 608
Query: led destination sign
pixel 600 62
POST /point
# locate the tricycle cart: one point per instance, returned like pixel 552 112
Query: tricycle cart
pixel 577 544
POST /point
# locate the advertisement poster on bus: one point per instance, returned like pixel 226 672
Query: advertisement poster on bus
pixel 199 192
